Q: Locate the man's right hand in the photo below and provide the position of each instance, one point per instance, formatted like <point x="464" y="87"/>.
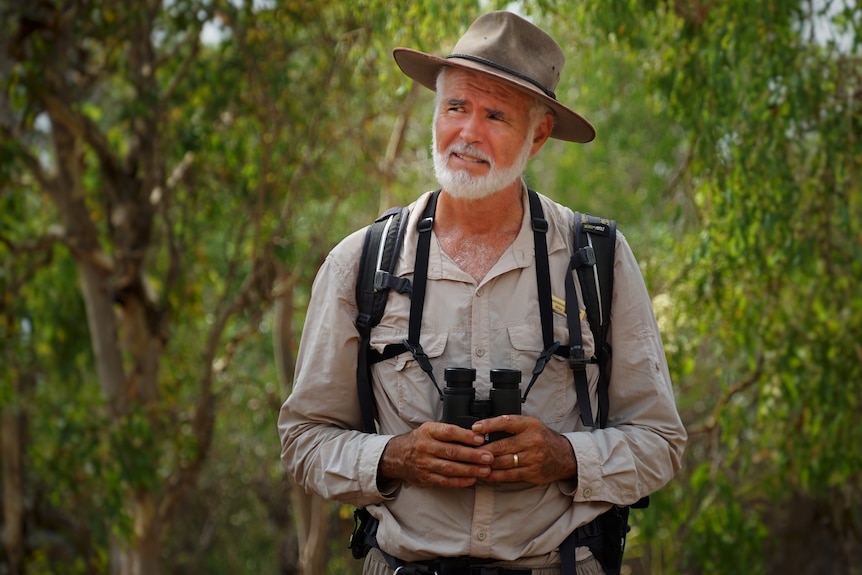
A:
<point x="436" y="454"/>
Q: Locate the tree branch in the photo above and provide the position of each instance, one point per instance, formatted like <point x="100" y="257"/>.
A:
<point x="195" y="34"/>
<point x="259" y="279"/>
<point x="738" y="387"/>
<point x="82" y="127"/>
<point x="30" y="161"/>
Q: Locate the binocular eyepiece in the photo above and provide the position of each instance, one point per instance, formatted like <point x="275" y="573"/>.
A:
<point x="460" y="406"/>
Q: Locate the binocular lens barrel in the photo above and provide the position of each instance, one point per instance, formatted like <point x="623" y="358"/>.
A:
<point x="505" y="396"/>
<point x="505" y="378"/>
<point x="459" y="376"/>
<point x="460" y="406"/>
<point x="458" y="396"/>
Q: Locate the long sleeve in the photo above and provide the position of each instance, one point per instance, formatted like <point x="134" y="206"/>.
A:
<point x="321" y="447"/>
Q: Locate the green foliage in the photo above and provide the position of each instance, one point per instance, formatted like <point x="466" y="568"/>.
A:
<point x="728" y="149"/>
<point x="772" y="182"/>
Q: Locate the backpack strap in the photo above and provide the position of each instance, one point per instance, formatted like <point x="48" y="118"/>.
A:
<point x="543" y="288"/>
<point x="590" y="256"/>
<point x="593" y="259"/>
<point x="420" y="280"/>
<point x="380" y="251"/>
<point x="383" y="280"/>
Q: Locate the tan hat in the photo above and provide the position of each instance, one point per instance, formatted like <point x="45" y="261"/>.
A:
<point x="512" y="50"/>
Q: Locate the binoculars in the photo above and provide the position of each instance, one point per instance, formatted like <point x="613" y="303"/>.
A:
<point x="460" y="406"/>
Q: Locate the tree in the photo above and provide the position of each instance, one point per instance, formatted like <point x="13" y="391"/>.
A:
<point x="134" y="135"/>
<point x="767" y="318"/>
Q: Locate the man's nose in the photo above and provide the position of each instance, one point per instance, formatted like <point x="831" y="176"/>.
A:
<point x="471" y="129"/>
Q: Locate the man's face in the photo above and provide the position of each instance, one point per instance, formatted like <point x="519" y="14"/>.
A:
<point x="482" y="136"/>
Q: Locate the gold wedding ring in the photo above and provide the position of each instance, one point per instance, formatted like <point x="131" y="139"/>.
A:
<point x="515" y="457"/>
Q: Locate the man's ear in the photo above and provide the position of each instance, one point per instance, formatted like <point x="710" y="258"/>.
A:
<point x="542" y="133"/>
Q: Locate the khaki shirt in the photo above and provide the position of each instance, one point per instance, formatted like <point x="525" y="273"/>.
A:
<point x="492" y="324"/>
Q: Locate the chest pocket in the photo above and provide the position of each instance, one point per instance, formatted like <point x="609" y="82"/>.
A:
<point x="401" y="388"/>
<point x="552" y="399"/>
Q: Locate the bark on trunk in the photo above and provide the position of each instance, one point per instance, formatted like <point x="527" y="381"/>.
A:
<point x="141" y="555"/>
<point x="11" y="423"/>
<point x="309" y="510"/>
<point x="311" y="528"/>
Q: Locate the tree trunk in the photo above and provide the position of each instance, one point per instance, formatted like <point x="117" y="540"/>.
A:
<point x="11" y="423"/>
<point x="142" y="554"/>
<point x="309" y="510"/>
<point x="311" y="529"/>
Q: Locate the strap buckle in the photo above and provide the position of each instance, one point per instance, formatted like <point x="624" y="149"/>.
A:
<point x="424" y="362"/>
<point x="577" y="358"/>
<point x="425" y="224"/>
<point x="545" y="357"/>
<point x="586" y="256"/>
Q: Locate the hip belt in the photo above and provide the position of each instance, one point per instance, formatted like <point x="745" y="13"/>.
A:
<point x="456" y="566"/>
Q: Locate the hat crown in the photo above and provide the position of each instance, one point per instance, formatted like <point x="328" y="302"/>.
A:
<point x="508" y="42"/>
<point x="505" y="48"/>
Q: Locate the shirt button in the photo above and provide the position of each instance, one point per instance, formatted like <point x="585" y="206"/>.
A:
<point x="480" y="352"/>
<point x="588" y="492"/>
<point x="479" y="292"/>
<point x="481" y="536"/>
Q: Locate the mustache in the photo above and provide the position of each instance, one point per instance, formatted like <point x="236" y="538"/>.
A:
<point x="469" y="150"/>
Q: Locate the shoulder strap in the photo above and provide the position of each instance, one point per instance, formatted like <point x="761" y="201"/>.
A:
<point x="379" y="256"/>
<point x="420" y="280"/>
<point x="543" y="288"/>
<point x="593" y="259"/>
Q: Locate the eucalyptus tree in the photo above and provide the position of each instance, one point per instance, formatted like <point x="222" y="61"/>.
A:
<point x="168" y="171"/>
<point x="765" y="304"/>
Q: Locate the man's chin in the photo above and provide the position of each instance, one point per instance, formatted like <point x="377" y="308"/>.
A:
<point x="473" y="190"/>
<point x="462" y="192"/>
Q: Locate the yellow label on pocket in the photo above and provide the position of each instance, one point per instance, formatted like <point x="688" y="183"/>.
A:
<point x="558" y="305"/>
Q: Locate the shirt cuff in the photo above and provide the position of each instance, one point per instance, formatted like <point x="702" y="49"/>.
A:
<point x="369" y="465"/>
<point x="586" y="487"/>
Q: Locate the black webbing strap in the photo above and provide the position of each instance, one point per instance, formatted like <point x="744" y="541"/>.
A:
<point x="543" y="273"/>
<point x="593" y="259"/>
<point x="596" y="275"/>
<point x="577" y="358"/>
<point x="374" y="280"/>
<point x="568" y="561"/>
<point x="543" y="287"/>
<point x="574" y="352"/>
<point x="420" y="280"/>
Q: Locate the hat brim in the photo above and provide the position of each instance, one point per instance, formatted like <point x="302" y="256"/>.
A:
<point x="424" y="68"/>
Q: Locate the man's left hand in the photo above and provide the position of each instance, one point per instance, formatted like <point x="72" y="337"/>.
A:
<point x="533" y="453"/>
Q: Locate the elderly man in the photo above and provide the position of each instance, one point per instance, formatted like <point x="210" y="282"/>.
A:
<point x="443" y="498"/>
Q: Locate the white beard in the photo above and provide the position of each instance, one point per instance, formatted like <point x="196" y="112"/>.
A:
<point x="463" y="185"/>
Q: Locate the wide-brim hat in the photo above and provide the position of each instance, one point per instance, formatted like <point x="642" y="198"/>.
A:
<point x="513" y="51"/>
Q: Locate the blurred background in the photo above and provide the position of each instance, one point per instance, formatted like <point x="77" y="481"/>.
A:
<point x="173" y="172"/>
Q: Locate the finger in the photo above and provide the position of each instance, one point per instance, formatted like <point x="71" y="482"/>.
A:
<point x="454" y="434"/>
<point x="510" y="461"/>
<point x="456" y="452"/>
<point x="446" y="472"/>
<point x="513" y="424"/>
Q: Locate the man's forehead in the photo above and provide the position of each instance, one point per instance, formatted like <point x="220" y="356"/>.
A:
<point x="458" y="80"/>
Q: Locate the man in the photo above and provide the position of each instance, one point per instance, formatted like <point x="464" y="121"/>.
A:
<point x="440" y="491"/>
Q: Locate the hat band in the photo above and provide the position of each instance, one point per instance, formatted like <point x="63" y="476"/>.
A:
<point x="502" y="68"/>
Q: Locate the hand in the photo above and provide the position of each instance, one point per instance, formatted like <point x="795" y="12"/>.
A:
<point x="533" y="453"/>
<point x="436" y="454"/>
